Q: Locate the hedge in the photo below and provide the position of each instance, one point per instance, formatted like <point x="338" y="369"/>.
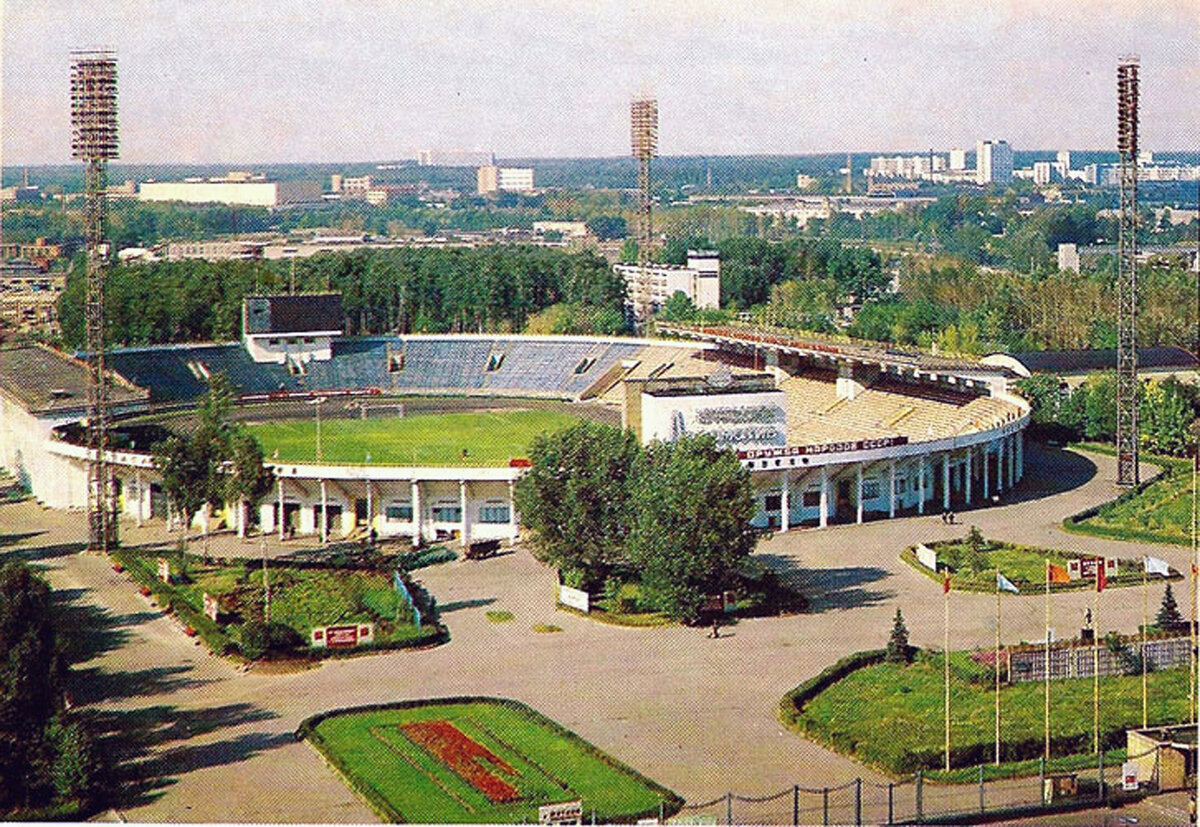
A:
<point x="307" y="730"/>
<point x="791" y="706"/>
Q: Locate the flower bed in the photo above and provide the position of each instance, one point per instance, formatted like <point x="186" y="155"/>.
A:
<point x="444" y="741"/>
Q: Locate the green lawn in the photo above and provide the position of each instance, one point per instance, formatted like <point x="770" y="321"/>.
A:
<point x="1159" y="513"/>
<point x="1024" y="566"/>
<point x="405" y="781"/>
<point x="301" y="598"/>
<point x="490" y="438"/>
<point x="890" y="716"/>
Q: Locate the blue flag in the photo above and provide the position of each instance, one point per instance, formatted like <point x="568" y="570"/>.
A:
<point x="1005" y="585"/>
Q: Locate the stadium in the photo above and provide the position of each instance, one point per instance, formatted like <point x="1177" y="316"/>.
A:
<point x="424" y="436"/>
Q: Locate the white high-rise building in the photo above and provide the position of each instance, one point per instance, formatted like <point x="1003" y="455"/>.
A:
<point x="993" y="163"/>
<point x="958" y="159"/>
<point x="1064" y="160"/>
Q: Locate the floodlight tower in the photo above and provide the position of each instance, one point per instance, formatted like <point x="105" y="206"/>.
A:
<point x="94" y="141"/>
<point x="643" y="129"/>
<point x="1127" y="298"/>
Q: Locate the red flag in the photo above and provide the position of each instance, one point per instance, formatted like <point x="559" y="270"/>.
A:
<point x="1101" y="578"/>
<point x="946" y="584"/>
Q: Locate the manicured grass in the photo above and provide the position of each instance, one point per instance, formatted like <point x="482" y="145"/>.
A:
<point x="405" y="781"/>
<point x="1023" y="566"/>
<point x="301" y="598"/>
<point x="500" y="616"/>
<point x="890" y="716"/>
<point x="490" y="438"/>
<point x="1160" y="512"/>
<point x="546" y="628"/>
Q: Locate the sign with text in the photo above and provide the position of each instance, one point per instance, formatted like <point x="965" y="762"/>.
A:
<point x="1129" y="776"/>
<point x="575" y="598"/>
<point x="211" y="607"/>
<point x="1085" y="568"/>
<point x="164" y="570"/>
<point x="569" y="812"/>
<point x="824" y="448"/>
<point x="343" y="637"/>
<point x="927" y="556"/>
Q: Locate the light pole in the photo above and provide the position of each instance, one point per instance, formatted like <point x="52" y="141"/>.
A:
<point x="320" y="400"/>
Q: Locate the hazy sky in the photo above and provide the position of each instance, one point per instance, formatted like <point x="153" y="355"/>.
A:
<point x="342" y="80"/>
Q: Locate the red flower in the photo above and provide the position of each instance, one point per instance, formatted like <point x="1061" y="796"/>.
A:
<point x="465" y="757"/>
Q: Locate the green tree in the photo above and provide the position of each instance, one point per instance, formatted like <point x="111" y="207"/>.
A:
<point x="678" y="308"/>
<point x="31" y="673"/>
<point x="1168" y="616"/>
<point x="693" y="506"/>
<point x="577" y="498"/>
<point x="606" y="227"/>
<point x="897" y="645"/>
<point x="1165" y="415"/>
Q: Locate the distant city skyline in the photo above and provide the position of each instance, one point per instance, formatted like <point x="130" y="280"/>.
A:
<point x="376" y="80"/>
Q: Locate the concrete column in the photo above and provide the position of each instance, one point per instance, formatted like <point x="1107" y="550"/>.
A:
<point x="921" y="484"/>
<point x="946" y="481"/>
<point x="141" y="496"/>
<point x="1020" y="455"/>
<point x="324" y="513"/>
<point x="1001" y="462"/>
<point x="858" y="493"/>
<point x="416" y="512"/>
<point x="823" y="519"/>
<point x="892" y="488"/>
<point x="370" y="508"/>
<point x="785" y="502"/>
<point x="462" y="508"/>
<point x="1013" y="441"/>
<point x="241" y="518"/>
<point x="970" y="470"/>
<point x="281" y="520"/>
<point x="513" y="531"/>
<point x="987" y="483"/>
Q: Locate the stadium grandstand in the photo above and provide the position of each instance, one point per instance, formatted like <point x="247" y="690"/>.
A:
<point x="831" y="430"/>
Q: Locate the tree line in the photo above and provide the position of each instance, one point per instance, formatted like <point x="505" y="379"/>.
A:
<point x="1166" y="411"/>
<point x="403" y="290"/>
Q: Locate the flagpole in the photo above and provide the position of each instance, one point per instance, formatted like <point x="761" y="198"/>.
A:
<point x="1145" y="616"/>
<point x="946" y="659"/>
<point x="997" y="668"/>
<point x="1046" y="668"/>
<point x="1192" y="677"/>
<point x="1096" y="659"/>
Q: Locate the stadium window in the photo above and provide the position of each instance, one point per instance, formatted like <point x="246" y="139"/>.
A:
<point x="812" y="499"/>
<point x="494" y="512"/>
<point x="308" y="340"/>
<point x="273" y="341"/>
<point x="495" y="361"/>
<point x="395" y="363"/>
<point x="399" y="513"/>
<point x="447" y="513"/>
<point x="773" y="502"/>
<point x="870" y="489"/>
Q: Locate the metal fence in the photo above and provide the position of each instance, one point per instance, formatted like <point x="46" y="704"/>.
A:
<point x="916" y="800"/>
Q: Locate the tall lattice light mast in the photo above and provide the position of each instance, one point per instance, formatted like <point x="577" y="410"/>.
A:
<point x="94" y="141"/>
<point x="1127" y="297"/>
<point x="643" y="129"/>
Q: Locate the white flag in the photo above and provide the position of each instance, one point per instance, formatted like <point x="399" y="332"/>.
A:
<point x="1155" y="566"/>
<point x="1005" y="585"/>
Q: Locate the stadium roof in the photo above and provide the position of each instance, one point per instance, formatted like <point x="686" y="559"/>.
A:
<point x="46" y="381"/>
<point x="1088" y="361"/>
<point x="290" y="314"/>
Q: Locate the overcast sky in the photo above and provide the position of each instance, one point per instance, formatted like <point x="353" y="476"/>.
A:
<point x="346" y="80"/>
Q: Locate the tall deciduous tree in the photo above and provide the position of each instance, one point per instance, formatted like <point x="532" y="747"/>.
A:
<point x="692" y="529"/>
<point x="577" y="498"/>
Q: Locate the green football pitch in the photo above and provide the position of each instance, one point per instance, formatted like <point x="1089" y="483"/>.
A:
<point x="476" y="438"/>
<point x="486" y="761"/>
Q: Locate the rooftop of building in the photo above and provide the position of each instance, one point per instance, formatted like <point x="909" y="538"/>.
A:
<point x="47" y="381"/>
<point x="1088" y="361"/>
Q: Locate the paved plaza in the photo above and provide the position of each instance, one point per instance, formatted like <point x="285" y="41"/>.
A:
<point x="209" y="741"/>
